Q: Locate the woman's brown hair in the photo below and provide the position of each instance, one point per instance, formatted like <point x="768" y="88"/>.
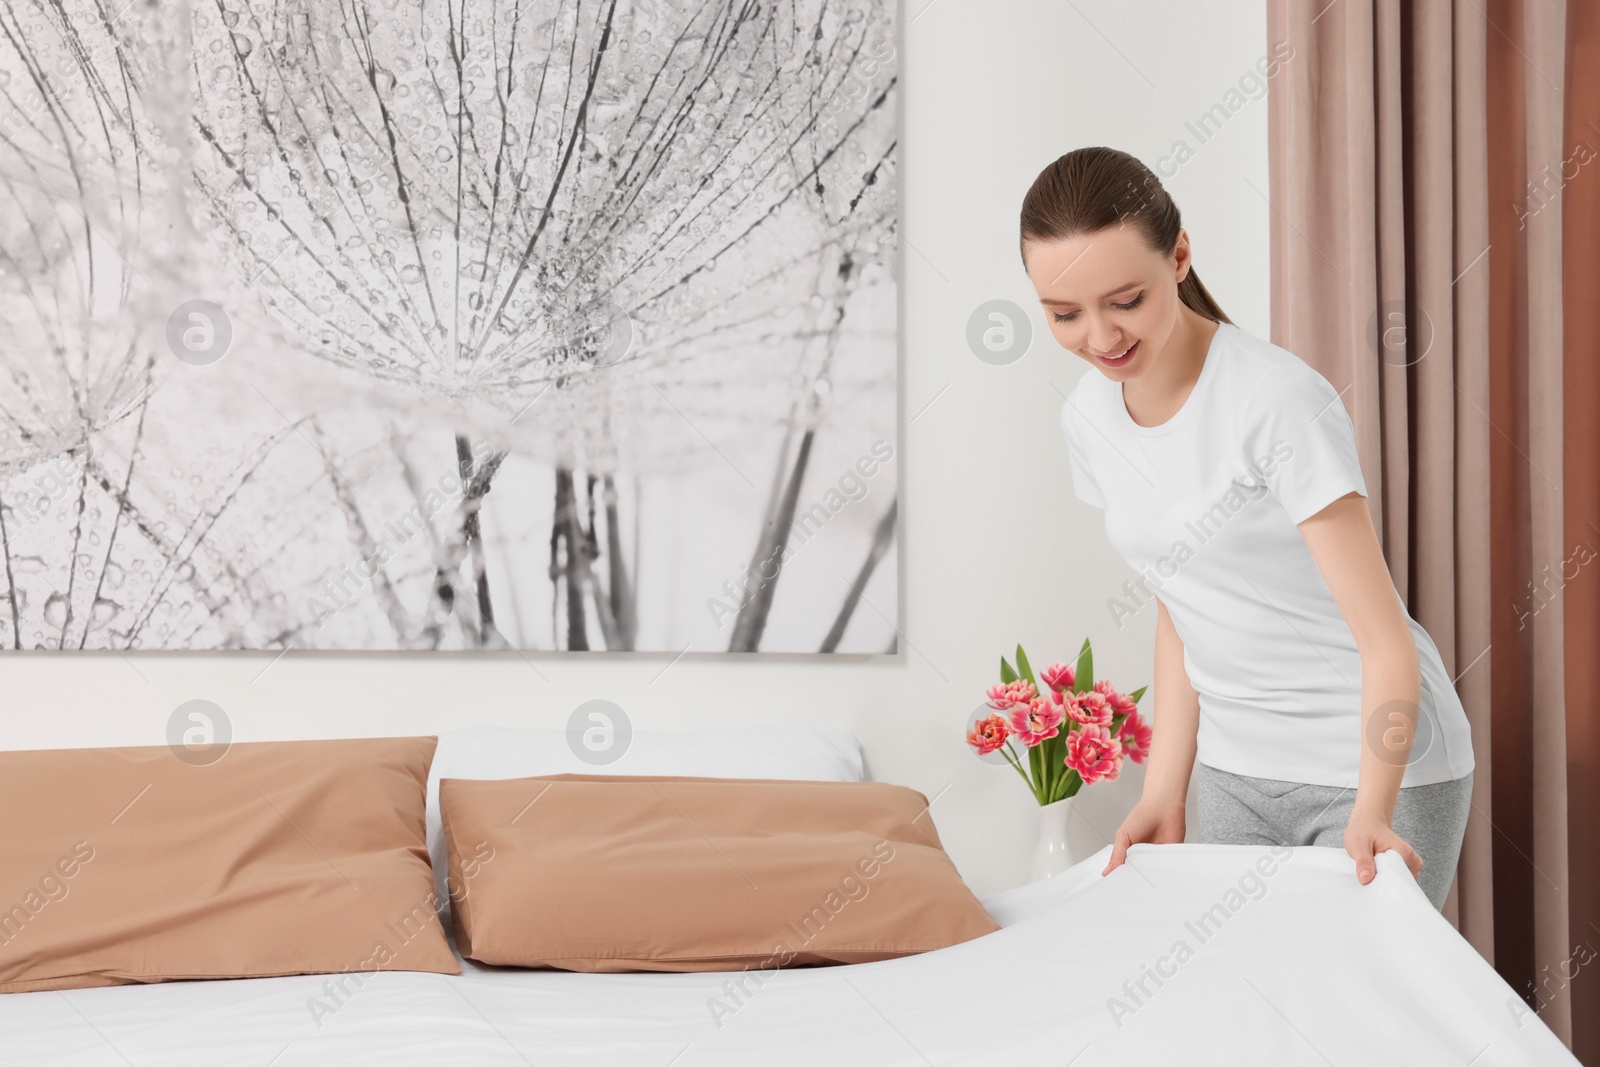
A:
<point x="1088" y="189"/>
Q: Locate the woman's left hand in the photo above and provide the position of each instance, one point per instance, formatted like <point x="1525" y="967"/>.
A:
<point x="1367" y="835"/>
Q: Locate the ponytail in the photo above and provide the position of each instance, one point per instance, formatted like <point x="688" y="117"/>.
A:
<point x="1198" y="298"/>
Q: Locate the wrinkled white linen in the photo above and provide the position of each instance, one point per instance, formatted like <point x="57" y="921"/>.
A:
<point x="1302" y="965"/>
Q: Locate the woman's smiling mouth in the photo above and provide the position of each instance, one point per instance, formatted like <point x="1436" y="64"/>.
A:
<point x="1118" y="359"/>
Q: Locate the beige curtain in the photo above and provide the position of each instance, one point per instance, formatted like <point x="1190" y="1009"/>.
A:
<point x="1580" y="266"/>
<point x="1422" y="175"/>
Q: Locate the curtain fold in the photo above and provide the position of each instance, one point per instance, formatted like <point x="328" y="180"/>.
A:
<point x="1580" y="571"/>
<point x="1525" y="61"/>
<point x="1468" y="360"/>
<point x="1433" y="262"/>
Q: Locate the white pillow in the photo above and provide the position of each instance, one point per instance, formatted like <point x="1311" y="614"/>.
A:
<point x="808" y="753"/>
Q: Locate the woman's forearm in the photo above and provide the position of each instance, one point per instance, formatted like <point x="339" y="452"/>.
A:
<point x="1390" y="688"/>
<point x="1177" y="719"/>
<point x="1344" y="544"/>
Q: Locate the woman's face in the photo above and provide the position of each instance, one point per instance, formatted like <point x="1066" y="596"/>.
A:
<point x="1110" y="299"/>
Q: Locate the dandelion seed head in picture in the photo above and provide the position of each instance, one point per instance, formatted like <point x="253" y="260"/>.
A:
<point x="403" y="324"/>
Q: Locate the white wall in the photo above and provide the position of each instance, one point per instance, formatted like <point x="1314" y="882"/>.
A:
<point x="994" y="548"/>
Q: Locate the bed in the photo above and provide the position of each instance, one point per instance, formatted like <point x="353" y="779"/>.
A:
<point x="1301" y="966"/>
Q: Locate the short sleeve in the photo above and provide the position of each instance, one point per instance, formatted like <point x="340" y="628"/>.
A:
<point x="1084" y="486"/>
<point x="1302" y="442"/>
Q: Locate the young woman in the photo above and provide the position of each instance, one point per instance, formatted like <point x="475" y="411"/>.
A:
<point x="1288" y="674"/>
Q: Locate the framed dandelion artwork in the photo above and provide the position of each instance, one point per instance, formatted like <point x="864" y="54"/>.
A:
<point x="448" y="324"/>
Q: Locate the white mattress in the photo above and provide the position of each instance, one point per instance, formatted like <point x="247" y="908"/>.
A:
<point x="1305" y="966"/>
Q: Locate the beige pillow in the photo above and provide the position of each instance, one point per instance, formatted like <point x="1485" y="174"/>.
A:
<point x="122" y="865"/>
<point x="614" y="873"/>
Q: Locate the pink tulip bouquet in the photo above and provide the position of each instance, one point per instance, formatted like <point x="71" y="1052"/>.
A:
<point x="1072" y="730"/>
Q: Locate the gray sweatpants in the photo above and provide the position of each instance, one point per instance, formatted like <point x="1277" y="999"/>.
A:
<point x="1232" y="809"/>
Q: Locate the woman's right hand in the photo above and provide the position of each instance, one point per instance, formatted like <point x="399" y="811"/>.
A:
<point x="1148" y="823"/>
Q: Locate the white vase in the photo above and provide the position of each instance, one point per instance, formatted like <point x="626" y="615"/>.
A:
<point x="1052" y="854"/>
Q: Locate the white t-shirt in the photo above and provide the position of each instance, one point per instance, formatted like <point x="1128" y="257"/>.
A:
<point x="1205" y="508"/>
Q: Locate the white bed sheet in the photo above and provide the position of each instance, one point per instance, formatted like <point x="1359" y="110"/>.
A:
<point x="1309" y="967"/>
